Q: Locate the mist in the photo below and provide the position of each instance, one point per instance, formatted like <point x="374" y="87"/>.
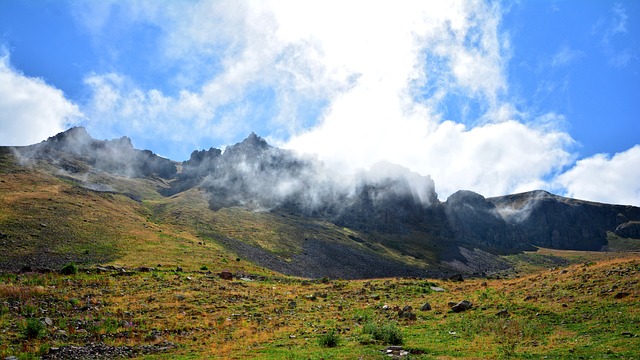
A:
<point x="256" y="176"/>
<point x="74" y="149"/>
<point x="383" y="199"/>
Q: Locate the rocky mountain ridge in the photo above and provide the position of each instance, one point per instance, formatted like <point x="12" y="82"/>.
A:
<point x="387" y="206"/>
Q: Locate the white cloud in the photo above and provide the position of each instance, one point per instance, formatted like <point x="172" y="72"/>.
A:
<point x="566" y="56"/>
<point x="380" y="71"/>
<point x="30" y="109"/>
<point x="379" y="117"/>
<point x="606" y="179"/>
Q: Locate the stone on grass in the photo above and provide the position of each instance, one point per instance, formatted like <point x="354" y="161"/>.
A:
<point x="226" y="275"/>
<point x="463" y="305"/>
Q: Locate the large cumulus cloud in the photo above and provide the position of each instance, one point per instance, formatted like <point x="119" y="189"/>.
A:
<point x="30" y="109"/>
<point x="606" y="178"/>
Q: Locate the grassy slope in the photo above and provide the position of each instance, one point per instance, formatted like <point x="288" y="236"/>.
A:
<point x="586" y="310"/>
<point x="47" y="221"/>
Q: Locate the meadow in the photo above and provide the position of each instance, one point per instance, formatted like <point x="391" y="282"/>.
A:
<point x="585" y="310"/>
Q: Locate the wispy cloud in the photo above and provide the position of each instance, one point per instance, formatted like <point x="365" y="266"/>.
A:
<point x="30" y="109"/>
<point x="614" y="37"/>
<point x="566" y="56"/>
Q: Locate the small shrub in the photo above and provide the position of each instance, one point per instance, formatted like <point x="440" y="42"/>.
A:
<point x="204" y="268"/>
<point x="33" y="329"/>
<point x="388" y="333"/>
<point x="366" y="339"/>
<point x="330" y="339"/>
<point x="69" y="269"/>
<point x="28" y="310"/>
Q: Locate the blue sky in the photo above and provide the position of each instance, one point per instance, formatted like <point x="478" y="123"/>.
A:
<point x="495" y="97"/>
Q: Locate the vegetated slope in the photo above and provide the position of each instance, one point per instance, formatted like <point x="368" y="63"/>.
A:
<point x="47" y="221"/>
<point x="587" y="310"/>
<point x="280" y="210"/>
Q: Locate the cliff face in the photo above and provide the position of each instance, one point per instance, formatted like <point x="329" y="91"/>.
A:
<point x="475" y="221"/>
<point x="537" y="218"/>
<point x="543" y="219"/>
<point x="387" y="199"/>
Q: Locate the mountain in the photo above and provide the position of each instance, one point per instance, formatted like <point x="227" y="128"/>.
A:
<point x="282" y="211"/>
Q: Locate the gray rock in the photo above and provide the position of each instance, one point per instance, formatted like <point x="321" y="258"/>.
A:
<point x="463" y="305"/>
<point x="407" y="313"/>
<point x="425" y="307"/>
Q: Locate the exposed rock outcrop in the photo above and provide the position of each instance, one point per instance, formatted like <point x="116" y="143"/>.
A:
<point x="75" y="148"/>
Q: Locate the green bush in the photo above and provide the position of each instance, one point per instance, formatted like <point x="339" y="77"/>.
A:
<point x="388" y="333"/>
<point x="204" y="268"/>
<point x="69" y="269"/>
<point x="33" y="329"/>
<point x="330" y="339"/>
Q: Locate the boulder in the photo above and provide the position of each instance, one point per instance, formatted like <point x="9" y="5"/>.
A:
<point x="463" y="305"/>
<point x="226" y="275"/>
<point x="407" y="313"/>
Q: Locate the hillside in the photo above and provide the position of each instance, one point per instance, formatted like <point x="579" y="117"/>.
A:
<point x="74" y="198"/>
<point x="194" y="260"/>
<point x="587" y="310"/>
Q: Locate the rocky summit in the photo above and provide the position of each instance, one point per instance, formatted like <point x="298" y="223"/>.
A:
<point x="294" y="215"/>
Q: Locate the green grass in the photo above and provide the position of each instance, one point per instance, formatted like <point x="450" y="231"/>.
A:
<point x="330" y="339"/>
<point x="388" y="334"/>
<point x="616" y="243"/>
<point x="554" y="314"/>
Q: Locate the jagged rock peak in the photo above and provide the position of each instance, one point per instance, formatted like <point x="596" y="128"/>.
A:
<point x="255" y="141"/>
<point x="197" y="156"/>
<point x="77" y="133"/>
<point x="251" y="145"/>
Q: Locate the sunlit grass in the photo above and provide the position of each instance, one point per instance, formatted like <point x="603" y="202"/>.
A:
<point x="555" y="314"/>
